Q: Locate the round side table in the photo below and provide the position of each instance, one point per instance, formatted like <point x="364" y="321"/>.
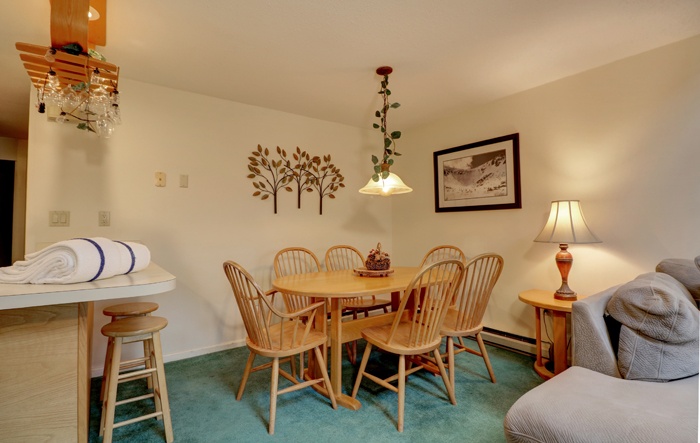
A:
<point x="541" y="299"/>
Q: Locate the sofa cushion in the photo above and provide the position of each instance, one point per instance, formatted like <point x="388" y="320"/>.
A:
<point x="660" y="327"/>
<point x="580" y="405"/>
<point x="686" y="271"/>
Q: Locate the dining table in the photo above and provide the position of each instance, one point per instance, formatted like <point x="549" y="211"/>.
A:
<point x="334" y="286"/>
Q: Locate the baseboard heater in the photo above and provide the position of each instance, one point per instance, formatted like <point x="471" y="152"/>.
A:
<point x="509" y="341"/>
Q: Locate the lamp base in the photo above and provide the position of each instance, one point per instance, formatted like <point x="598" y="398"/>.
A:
<point x="565" y="293"/>
<point x="564" y="261"/>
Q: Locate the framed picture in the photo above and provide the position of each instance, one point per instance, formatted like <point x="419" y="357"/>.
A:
<point x="478" y="176"/>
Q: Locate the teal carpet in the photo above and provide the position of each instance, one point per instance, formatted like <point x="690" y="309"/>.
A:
<point x="202" y="394"/>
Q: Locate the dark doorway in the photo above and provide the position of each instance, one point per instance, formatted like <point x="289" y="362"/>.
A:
<point x="7" y="192"/>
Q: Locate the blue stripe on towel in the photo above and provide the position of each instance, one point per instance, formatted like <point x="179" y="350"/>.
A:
<point x="133" y="257"/>
<point x="102" y="257"/>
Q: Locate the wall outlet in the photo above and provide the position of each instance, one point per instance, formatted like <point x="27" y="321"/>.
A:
<point x="59" y="218"/>
<point x="184" y="180"/>
<point x="160" y="179"/>
<point x="103" y="218"/>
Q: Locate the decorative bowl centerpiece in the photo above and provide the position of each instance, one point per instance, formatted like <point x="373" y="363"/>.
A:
<point x="377" y="264"/>
<point x="377" y="260"/>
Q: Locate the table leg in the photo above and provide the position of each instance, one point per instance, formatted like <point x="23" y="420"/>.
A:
<point x="538" y="335"/>
<point x="559" y="321"/>
<point x="395" y="300"/>
<point x="336" y="372"/>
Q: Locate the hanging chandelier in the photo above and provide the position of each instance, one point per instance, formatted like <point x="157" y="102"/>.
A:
<point x="383" y="181"/>
<point x="73" y="83"/>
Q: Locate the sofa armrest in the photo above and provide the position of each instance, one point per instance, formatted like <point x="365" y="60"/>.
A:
<point x="591" y="342"/>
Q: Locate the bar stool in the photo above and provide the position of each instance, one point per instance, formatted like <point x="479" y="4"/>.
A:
<point x="134" y="309"/>
<point x="130" y="330"/>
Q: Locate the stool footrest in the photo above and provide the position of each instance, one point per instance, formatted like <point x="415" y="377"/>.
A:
<point x="133" y="399"/>
<point x="135" y="375"/>
<point x="137" y="419"/>
<point x="128" y="364"/>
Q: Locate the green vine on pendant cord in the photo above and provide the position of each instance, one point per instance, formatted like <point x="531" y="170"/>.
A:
<point x="389" y="138"/>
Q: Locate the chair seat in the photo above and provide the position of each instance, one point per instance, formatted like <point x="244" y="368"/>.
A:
<point x="450" y="326"/>
<point x="313" y="339"/>
<point x="378" y="336"/>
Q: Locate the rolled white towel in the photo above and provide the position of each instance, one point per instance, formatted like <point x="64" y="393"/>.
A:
<point x="76" y="260"/>
<point x="134" y="256"/>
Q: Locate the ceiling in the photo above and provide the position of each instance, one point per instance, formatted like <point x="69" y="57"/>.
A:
<point x="318" y="58"/>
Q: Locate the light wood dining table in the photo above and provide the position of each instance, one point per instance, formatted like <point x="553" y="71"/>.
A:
<point x="333" y="286"/>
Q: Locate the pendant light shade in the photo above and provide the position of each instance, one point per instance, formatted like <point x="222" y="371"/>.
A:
<point x="386" y="186"/>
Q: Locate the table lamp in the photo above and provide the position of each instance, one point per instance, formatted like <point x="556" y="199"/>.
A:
<point x="566" y="225"/>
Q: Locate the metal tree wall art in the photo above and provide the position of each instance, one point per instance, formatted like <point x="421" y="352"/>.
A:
<point x="327" y="179"/>
<point x="309" y="173"/>
<point x="300" y="172"/>
<point x="273" y="178"/>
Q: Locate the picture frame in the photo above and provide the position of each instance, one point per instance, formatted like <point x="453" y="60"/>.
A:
<point x="479" y="176"/>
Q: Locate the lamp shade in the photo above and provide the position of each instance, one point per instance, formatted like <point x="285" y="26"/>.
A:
<point x="386" y="186"/>
<point x="566" y="225"/>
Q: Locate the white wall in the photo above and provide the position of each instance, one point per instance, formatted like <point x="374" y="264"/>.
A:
<point x="621" y="138"/>
<point x="191" y="231"/>
<point x="624" y="139"/>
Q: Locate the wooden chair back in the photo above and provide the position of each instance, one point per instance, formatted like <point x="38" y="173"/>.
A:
<point x="443" y="252"/>
<point x="480" y="276"/>
<point x="342" y="257"/>
<point x="259" y="314"/>
<point x="434" y="285"/>
<point x="292" y="261"/>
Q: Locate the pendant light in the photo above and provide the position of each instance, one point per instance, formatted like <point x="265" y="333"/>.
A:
<point x="383" y="181"/>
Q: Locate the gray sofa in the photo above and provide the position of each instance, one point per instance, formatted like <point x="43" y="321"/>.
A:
<point x="592" y="402"/>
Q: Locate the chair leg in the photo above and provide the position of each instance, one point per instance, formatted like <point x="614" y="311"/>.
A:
<point x="326" y="378"/>
<point x="402" y="390"/>
<point x="451" y="359"/>
<point x="363" y="365"/>
<point x="293" y="366"/>
<point x="273" y="394"/>
<point x="301" y="366"/>
<point x="448" y="385"/>
<point x="351" y="348"/>
<point x="246" y="373"/>
<point x="484" y="354"/>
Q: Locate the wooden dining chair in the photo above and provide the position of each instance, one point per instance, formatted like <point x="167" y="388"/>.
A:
<point x="415" y="329"/>
<point x="344" y="257"/>
<point x="277" y="335"/>
<point x="443" y="252"/>
<point x="292" y="261"/>
<point x="465" y="316"/>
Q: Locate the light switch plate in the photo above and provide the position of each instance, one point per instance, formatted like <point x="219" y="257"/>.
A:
<point x="59" y="218"/>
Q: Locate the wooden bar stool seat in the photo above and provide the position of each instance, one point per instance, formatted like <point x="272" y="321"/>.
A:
<point x="133" y="309"/>
<point x="144" y="328"/>
<point x="130" y="309"/>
